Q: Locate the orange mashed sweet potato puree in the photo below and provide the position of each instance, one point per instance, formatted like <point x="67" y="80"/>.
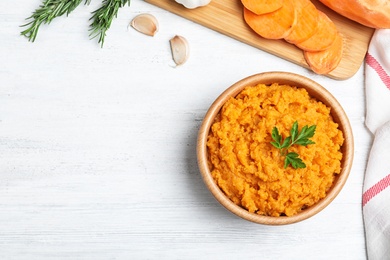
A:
<point x="250" y="171"/>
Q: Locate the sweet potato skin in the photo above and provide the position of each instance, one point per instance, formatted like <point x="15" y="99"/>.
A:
<point x="371" y="13"/>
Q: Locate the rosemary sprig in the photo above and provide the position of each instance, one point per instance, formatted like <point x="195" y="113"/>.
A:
<point x="102" y="18"/>
<point x="46" y="12"/>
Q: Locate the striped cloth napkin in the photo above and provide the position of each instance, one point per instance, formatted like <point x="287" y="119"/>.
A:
<point x="376" y="188"/>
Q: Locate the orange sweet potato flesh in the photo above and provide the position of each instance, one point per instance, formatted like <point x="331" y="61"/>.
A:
<point x="307" y="21"/>
<point x="371" y="13"/>
<point x="324" y="36"/>
<point x="274" y="25"/>
<point x="262" y="6"/>
<point x="323" y="62"/>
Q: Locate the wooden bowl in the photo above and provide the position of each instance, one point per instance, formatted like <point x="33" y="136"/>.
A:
<point x="315" y="90"/>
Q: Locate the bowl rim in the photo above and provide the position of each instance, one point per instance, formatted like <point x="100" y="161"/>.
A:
<point x="315" y="90"/>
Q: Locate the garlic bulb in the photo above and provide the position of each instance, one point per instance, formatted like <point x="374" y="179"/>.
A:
<point x="191" y="4"/>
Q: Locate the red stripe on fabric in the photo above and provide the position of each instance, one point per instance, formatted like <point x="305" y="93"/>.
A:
<point x="373" y="63"/>
<point x="376" y="189"/>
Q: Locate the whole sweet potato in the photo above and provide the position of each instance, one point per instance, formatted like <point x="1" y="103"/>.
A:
<point x="371" y="13"/>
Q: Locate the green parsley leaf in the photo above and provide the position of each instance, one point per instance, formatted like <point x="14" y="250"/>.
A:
<point x="296" y="137"/>
<point x="293" y="159"/>
<point x="277" y="137"/>
<point x="294" y="130"/>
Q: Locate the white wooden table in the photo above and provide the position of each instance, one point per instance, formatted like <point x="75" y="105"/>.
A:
<point x="97" y="146"/>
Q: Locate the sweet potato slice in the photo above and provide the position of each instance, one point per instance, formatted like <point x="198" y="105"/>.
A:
<point x="324" y="36"/>
<point x="323" y="62"/>
<point x="307" y="21"/>
<point x="275" y="25"/>
<point x="262" y="6"/>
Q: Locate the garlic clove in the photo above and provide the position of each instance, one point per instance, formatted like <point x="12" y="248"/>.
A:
<point x="146" y="24"/>
<point x="180" y="49"/>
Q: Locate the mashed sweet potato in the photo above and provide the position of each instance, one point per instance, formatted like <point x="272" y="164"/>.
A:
<point x="250" y="171"/>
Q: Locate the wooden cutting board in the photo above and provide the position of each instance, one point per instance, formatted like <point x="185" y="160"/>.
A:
<point x="225" y="16"/>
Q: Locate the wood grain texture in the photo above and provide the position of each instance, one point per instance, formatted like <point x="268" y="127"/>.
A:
<point x="225" y="16"/>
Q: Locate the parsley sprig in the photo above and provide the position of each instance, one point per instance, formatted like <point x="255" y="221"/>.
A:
<point x="296" y="137"/>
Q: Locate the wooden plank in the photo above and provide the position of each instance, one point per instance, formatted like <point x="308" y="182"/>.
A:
<point x="225" y="16"/>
